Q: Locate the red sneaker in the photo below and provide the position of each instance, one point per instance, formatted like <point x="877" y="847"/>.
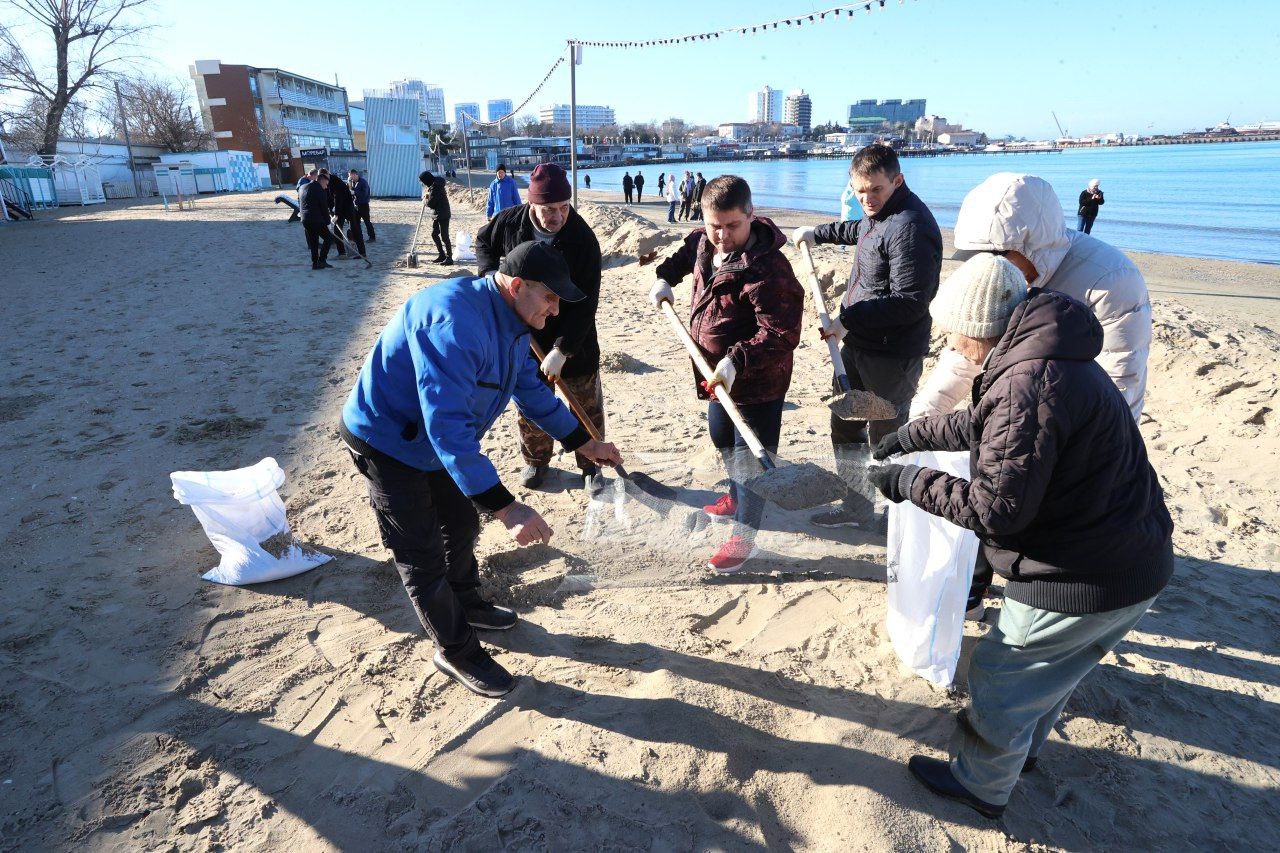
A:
<point x="723" y="509"/>
<point x="732" y="555"/>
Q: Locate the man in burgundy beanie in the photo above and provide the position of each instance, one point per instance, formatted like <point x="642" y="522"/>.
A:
<point x="568" y="339"/>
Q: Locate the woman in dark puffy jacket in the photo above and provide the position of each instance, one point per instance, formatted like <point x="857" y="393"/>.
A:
<point x="1069" y="513"/>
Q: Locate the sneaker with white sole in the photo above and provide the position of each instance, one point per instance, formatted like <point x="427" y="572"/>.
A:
<point x="490" y="617"/>
<point x="722" y="510"/>
<point x="733" y="555"/>
<point x="478" y="672"/>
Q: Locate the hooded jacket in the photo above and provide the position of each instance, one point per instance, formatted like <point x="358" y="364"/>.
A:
<point x="1023" y="213"/>
<point x="573" y="330"/>
<point x="437" y="194"/>
<point x="895" y="274"/>
<point x="749" y="310"/>
<point x="502" y="194"/>
<point x="1062" y="497"/>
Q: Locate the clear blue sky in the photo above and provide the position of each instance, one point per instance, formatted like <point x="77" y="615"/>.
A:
<point x="996" y="65"/>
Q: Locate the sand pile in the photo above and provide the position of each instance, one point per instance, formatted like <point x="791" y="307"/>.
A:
<point x="625" y="237"/>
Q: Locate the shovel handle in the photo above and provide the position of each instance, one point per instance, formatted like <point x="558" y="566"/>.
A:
<point x="414" y="245"/>
<point x="574" y="405"/>
<point x="722" y="396"/>
<point x="820" y="304"/>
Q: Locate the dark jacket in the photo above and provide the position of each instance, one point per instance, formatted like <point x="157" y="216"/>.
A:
<point x="1062" y="496"/>
<point x="749" y="310"/>
<point x="1088" y="205"/>
<point x="698" y="186"/>
<point x="895" y="275"/>
<point x="573" y="330"/>
<point x="344" y="205"/>
<point x="437" y="194"/>
<point x="313" y="202"/>
<point x="360" y="191"/>
<point x="639" y="181"/>
<point x="627" y="183"/>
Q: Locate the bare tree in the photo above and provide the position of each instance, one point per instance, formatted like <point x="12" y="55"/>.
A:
<point x="87" y="36"/>
<point x="274" y="139"/>
<point x="24" y="126"/>
<point x="159" y="113"/>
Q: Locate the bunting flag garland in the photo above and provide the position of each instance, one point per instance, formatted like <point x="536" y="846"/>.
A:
<point x="746" y="29"/>
<point x="472" y="121"/>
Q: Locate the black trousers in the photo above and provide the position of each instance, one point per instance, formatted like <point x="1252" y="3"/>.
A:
<point x="892" y="377"/>
<point x="684" y="207"/>
<point x="316" y="234"/>
<point x="639" y="190"/>
<point x="362" y="215"/>
<point x="348" y="224"/>
<point x="430" y="527"/>
<point x="626" y="196"/>
<point x="765" y="420"/>
<point x="440" y="233"/>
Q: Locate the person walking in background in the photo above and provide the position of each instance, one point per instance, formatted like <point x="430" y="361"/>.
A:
<point x="662" y="183"/>
<point x="1067" y="509"/>
<point x="502" y="193"/>
<point x="361" y="192"/>
<point x="883" y="322"/>
<point x="639" y="186"/>
<point x="747" y="307"/>
<point x="313" y="201"/>
<point x="1090" y="200"/>
<point x="672" y="196"/>
<point x="698" y="187"/>
<point x="586" y="179"/>
<point x="686" y="195"/>
<point x="850" y="210"/>
<point x="627" y="187"/>
<point x="438" y="202"/>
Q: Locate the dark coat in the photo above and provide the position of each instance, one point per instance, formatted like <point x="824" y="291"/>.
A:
<point x="627" y="183"/>
<point x="313" y="203"/>
<point x="437" y="194"/>
<point x="895" y="275"/>
<point x="1089" y="205"/>
<point x="573" y="330"/>
<point x="698" y="186"/>
<point x="639" y="181"/>
<point x="749" y="310"/>
<point x="360" y="191"/>
<point x="1062" y="496"/>
<point x="344" y="204"/>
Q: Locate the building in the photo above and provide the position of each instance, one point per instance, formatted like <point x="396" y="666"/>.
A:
<point x="471" y="108"/>
<point x="266" y="111"/>
<point x="738" y="131"/>
<point x="960" y="137"/>
<point x="431" y="96"/>
<point x="871" y="113"/>
<point x="395" y="145"/>
<point x="499" y="107"/>
<point x="589" y="116"/>
<point x="851" y="140"/>
<point x="798" y="109"/>
<point x="931" y="126"/>
<point x="355" y="110"/>
<point x="765" y="106"/>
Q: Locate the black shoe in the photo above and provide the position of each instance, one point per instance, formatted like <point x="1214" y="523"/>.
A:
<point x="447" y="262"/>
<point x="316" y="267"/>
<point x="478" y="672"/>
<point x="937" y="777"/>
<point x="439" y="259"/>
<point x="842" y="516"/>
<point x="327" y="266"/>
<point x="490" y="617"/>
<point x="532" y="476"/>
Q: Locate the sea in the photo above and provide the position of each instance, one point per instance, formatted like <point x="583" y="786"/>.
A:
<point x="1211" y="200"/>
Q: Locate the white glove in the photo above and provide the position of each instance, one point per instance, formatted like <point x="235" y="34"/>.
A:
<point x="661" y="291"/>
<point x="803" y="234"/>
<point x="553" y="363"/>
<point x="835" y="330"/>
<point x="724" y="375"/>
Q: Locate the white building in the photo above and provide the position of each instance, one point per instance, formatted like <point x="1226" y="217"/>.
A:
<point x="738" y="131"/>
<point x="431" y="96"/>
<point x="765" y="106"/>
<point x="959" y="137"/>
<point x="798" y="110"/>
<point x="589" y="116"/>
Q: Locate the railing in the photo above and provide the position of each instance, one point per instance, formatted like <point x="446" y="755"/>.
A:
<point x="316" y="102"/>
<point x="320" y="127"/>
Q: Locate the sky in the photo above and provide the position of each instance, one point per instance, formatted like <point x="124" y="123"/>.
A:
<point x="998" y="66"/>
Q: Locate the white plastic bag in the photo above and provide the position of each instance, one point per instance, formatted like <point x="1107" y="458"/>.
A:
<point x="463" y="249"/>
<point x="930" y="570"/>
<point x="243" y="516"/>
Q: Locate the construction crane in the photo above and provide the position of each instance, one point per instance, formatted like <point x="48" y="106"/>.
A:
<point x="1062" y="133"/>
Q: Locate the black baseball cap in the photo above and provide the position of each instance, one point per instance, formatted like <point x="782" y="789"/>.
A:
<point x="536" y="261"/>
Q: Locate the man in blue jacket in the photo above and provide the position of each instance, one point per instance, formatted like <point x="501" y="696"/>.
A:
<point x="361" y="193"/>
<point x="503" y="193"/>
<point x="439" y="376"/>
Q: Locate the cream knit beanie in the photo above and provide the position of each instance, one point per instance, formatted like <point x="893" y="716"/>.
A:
<point x="978" y="299"/>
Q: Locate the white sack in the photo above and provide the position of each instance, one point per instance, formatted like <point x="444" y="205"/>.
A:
<point x="463" y="247"/>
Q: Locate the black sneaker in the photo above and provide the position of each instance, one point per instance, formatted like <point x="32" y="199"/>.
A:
<point x="490" y="617"/>
<point x="842" y="516"/>
<point x="936" y="776"/>
<point x="327" y="266"/>
<point x="478" y="672"/>
<point x="447" y="262"/>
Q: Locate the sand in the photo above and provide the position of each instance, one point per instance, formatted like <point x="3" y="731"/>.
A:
<point x="659" y="708"/>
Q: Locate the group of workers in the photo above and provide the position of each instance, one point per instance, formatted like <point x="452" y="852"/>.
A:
<point x="1041" y="381"/>
<point x="331" y="208"/>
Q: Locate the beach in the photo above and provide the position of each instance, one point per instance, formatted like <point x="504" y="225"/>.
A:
<point x="659" y="708"/>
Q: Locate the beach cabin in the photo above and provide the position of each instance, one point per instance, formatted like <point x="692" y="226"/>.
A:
<point x="395" y="157"/>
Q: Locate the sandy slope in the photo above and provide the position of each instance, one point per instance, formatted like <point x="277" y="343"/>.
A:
<point x="663" y="709"/>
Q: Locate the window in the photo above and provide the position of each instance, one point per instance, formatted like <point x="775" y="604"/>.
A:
<point x="399" y="134"/>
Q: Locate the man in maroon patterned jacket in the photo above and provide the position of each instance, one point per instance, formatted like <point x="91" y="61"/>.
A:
<point x="747" y="308"/>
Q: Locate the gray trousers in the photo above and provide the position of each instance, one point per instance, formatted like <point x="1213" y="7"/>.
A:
<point x="1020" y="677"/>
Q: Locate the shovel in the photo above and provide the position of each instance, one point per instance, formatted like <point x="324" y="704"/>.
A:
<point x="411" y="259"/>
<point x="642" y="482"/>
<point x="334" y="229"/>
<point x="799" y="486"/>
<point x="848" y="404"/>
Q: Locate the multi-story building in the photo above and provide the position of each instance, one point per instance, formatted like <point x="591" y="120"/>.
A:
<point x="931" y="126"/>
<point x="270" y="110"/>
<point x="471" y="108"/>
<point x="872" y="113"/>
<point x="738" y="131"/>
<point x="589" y="116"/>
<point x="496" y="109"/>
<point x="798" y="110"/>
<point x="356" y="111"/>
<point x="765" y="106"/>
<point x="431" y="95"/>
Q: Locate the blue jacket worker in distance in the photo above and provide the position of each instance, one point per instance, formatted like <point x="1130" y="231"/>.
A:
<point x="441" y="373"/>
<point x="503" y="193"/>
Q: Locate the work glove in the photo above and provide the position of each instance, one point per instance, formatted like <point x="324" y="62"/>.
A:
<point x="553" y="363"/>
<point x="724" y="374"/>
<point x="661" y="291"/>
<point x="835" y="329"/>
<point x="893" y="444"/>
<point x="803" y="234"/>
<point x="893" y="481"/>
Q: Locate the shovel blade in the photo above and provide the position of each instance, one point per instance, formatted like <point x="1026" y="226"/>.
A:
<point x="412" y="260"/>
<point x="799" y="486"/>
<point x="861" y="406"/>
<point x="651" y="487"/>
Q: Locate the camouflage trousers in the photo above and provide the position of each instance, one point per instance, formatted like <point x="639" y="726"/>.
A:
<point x="535" y="445"/>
